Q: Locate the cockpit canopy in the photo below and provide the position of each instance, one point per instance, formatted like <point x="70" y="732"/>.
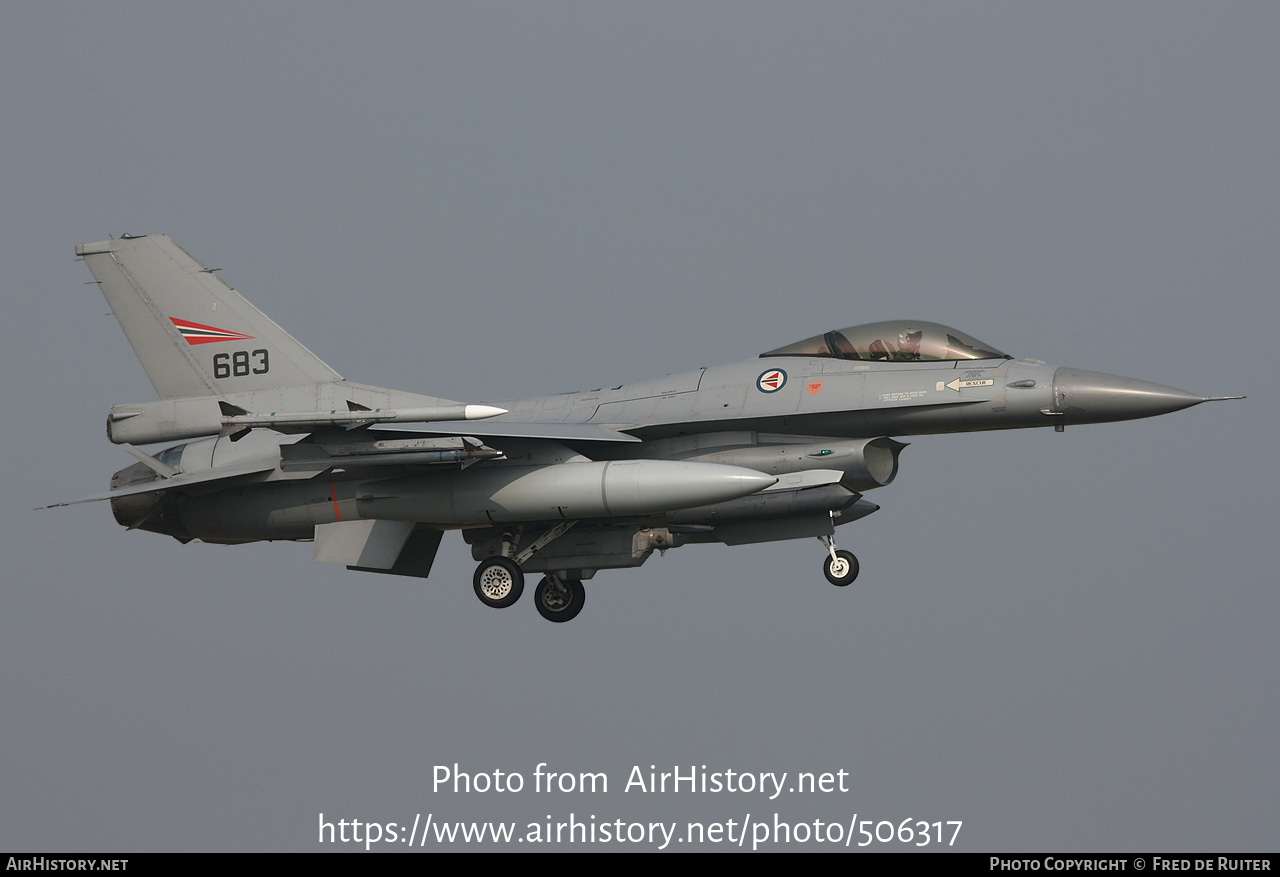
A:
<point x="893" y="341"/>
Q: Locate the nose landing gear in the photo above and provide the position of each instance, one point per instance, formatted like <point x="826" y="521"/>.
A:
<point x="840" y="567"/>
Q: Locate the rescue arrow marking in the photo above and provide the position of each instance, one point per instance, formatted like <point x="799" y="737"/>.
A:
<point x="958" y="384"/>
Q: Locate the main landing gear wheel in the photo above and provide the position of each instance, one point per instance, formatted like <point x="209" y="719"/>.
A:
<point x="499" y="582"/>
<point x="842" y="569"/>
<point x="559" y="601"/>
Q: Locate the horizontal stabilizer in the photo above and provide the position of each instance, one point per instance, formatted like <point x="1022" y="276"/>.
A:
<point x="177" y="482"/>
<point x="164" y="470"/>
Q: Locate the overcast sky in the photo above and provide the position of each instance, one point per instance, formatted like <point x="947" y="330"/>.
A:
<point x="1065" y="641"/>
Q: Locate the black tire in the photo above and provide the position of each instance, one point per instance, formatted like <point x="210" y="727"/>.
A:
<point x="842" y="569"/>
<point x="556" y="605"/>
<point x="498" y="582"/>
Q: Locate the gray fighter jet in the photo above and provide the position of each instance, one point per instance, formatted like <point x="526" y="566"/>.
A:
<point x="277" y="445"/>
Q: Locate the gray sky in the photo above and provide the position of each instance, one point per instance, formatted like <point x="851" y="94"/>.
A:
<point x="1066" y="641"/>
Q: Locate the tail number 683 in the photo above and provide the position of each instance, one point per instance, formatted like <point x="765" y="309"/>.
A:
<point x="241" y="363"/>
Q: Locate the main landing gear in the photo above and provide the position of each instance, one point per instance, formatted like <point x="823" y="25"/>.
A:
<point x="840" y="567"/>
<point x="559" y="599"/>
<point x="499" y="580"/>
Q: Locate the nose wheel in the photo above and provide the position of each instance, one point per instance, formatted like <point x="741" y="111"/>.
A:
<point x="499" y="582"/>
<point x="559" y="600"/>
<point x="840" y="567"/>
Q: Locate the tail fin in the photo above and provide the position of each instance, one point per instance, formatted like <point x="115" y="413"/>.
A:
<point x="194" y="335"/>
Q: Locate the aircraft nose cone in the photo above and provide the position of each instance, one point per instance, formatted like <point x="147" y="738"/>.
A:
<point x="1093" y="397"/>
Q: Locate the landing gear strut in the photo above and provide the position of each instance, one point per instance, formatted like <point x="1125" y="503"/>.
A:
<point x="840" y="567"/>
<point x="559" y="599"/>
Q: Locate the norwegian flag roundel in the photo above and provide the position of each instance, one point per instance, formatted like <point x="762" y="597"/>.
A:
<point x="771" y="381"/>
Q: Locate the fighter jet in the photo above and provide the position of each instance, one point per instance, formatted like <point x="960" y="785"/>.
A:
<point x="274" y="444"/>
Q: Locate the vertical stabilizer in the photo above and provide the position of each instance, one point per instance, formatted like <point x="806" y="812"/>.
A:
<point x="195" y="335"/>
